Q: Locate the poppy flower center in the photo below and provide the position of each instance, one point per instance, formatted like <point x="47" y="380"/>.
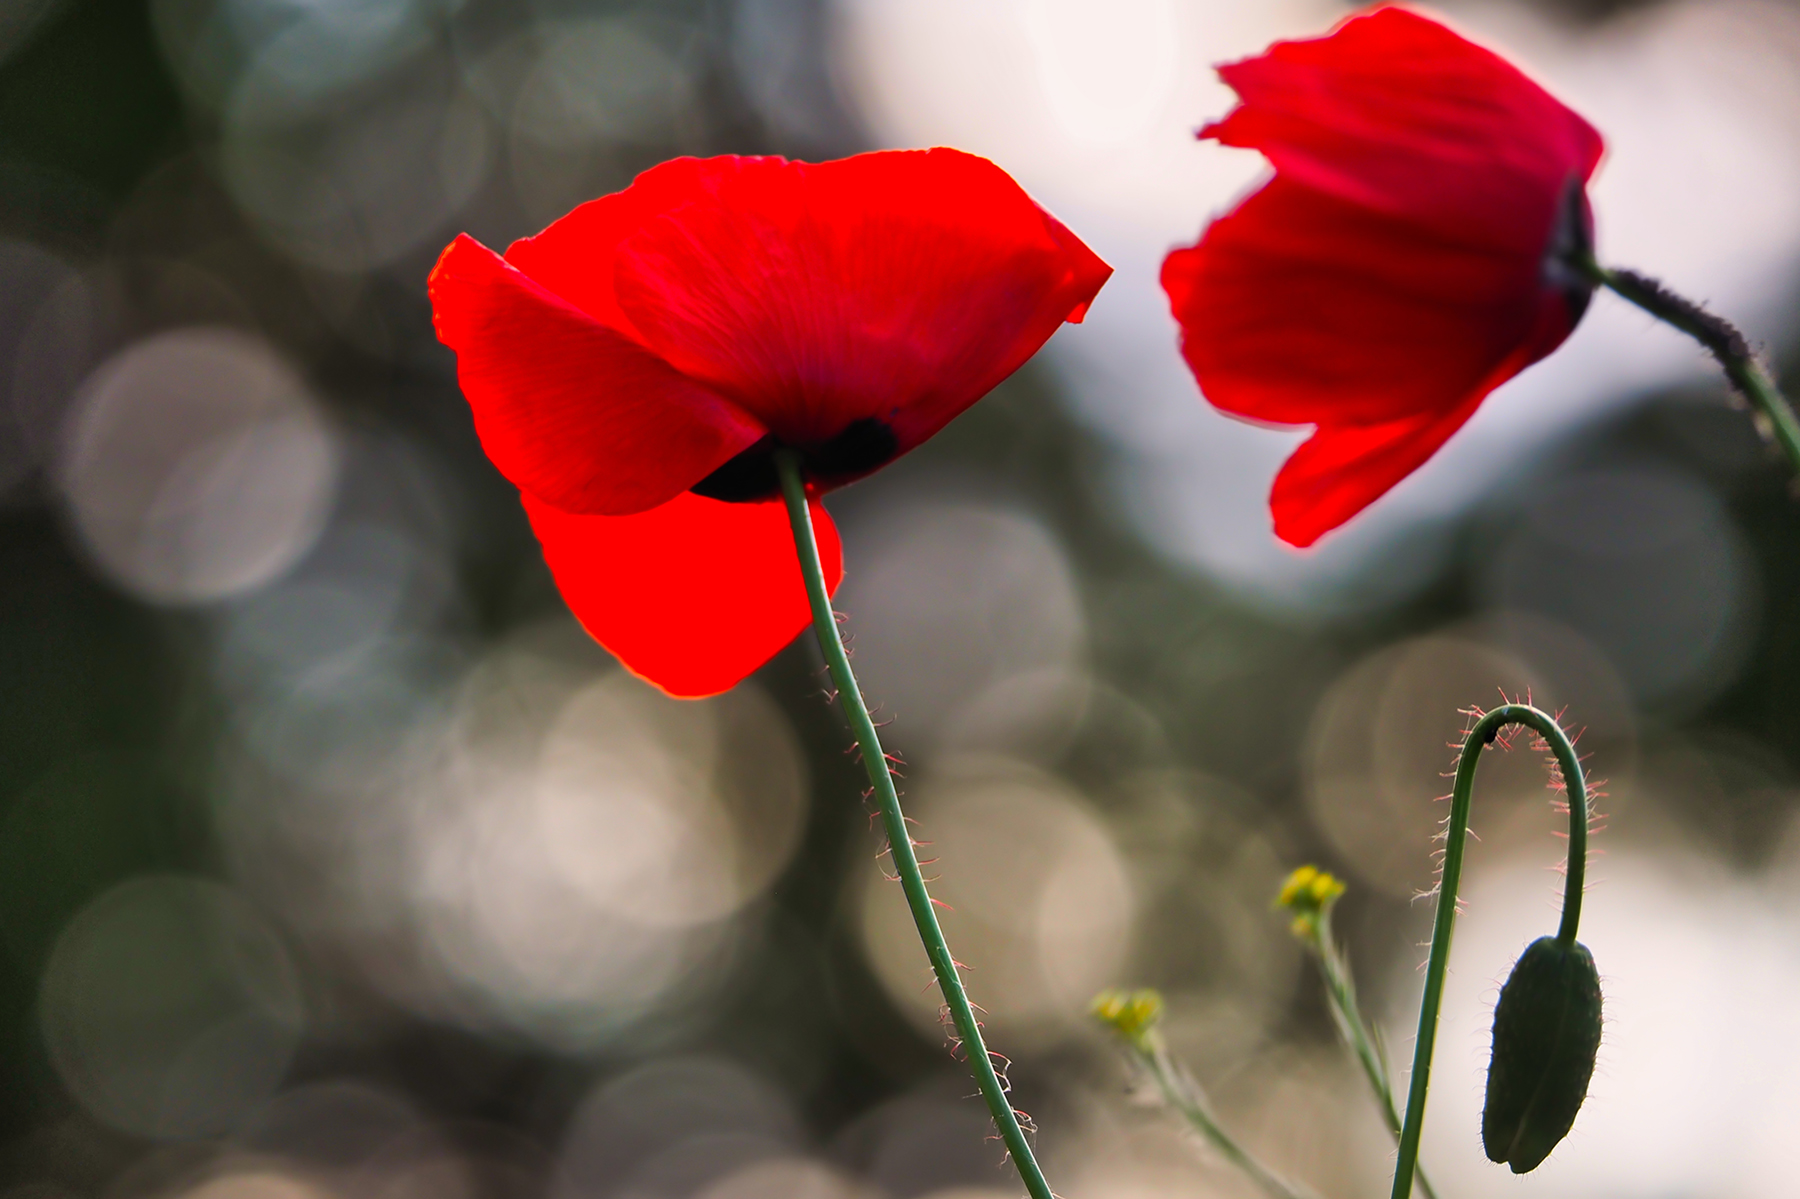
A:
<point x="863" y="445"/>
<point x="1571" y="243"/>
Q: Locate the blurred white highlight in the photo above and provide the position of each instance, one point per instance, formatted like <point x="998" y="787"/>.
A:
<point x="568" y="876"/>
<point x="785" y="1178"/>
<point x="949" y="600"/>
<point x="679" y="1126"/>
<point x="196" y="466"/>
<point x="1106" y="70"/>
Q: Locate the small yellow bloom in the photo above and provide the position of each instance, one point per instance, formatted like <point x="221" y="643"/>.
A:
<point x="1298" y="883"/>
<point x="1307" y="893"/>
<point x="1131" y="1014"/>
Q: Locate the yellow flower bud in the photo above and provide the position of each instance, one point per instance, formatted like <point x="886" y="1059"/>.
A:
<point x="1325" y="888"/>
<point x="1131" y="1014"/>
<point x="1308" y="893"/>
<point x="1298" y="883"/>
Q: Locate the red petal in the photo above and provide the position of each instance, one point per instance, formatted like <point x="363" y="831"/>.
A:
<point x="574" y="256"/>
<point x="900" y="285"/>
<point x="1342" y="469"/>
<point x="1301" y="309"/>
<point x="691" y="596"/>
<point x="571" y="411"/>
<point x="1398" y="113"/>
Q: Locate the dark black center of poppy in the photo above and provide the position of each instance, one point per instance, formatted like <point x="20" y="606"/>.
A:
<point x="1571" y="247"/>
<point x="863" y="446"/>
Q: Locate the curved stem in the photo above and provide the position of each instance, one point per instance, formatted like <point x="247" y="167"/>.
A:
<point x="900" y="843"/>
<point x="1748" y="376"/>
<point x="1479" y="737"/>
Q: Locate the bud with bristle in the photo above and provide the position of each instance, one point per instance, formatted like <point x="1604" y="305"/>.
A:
<point x="1546" y="1034"/>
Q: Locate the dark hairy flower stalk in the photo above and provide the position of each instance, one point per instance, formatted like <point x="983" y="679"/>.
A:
<point x="1750" y="379"/>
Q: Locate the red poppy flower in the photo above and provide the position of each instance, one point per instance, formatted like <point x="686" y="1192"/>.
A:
<point x="1405" y="260"/>
<point x="634" y="367"/>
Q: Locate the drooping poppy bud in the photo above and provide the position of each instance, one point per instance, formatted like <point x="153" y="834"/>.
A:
<point x="1546" y="1033"/>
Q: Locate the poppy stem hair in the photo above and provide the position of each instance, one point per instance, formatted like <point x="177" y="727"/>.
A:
<point x="900" y="842"/>
<point x="1749" y="378"/>
<point x="1481" y="734"/>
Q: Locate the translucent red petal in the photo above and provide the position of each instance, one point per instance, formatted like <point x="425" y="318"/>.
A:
<point x="573" y="257"/>
<point x="692" y="596"/>
<point x="1397" y="113"/>
<point x="1300" y="309"/>
<point x="571" y="411"/>
<point x="900" y="286"/>
<point x="1342" y="469"/>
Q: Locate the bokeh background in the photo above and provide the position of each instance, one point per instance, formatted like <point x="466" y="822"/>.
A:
<point x="335" y="863"/>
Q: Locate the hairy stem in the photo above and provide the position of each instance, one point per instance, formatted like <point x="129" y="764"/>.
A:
<point x="1749" y="378"/>
<point x="1340" y="989"/>
<point x="1480" y="736"/>
<point x="900" y="842"/>
<point x="1182" y="1093"/>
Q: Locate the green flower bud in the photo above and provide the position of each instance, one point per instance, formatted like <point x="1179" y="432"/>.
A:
<point x="1546" y="1033"/>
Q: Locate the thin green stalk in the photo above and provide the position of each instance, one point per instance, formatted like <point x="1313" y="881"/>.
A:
<point x="1340" y="989"/>
<point x="1748" y="376"/>
<point x="1183" y="1094"/>
<point x="900" y="843"/>
<point x="1480" y="736"/>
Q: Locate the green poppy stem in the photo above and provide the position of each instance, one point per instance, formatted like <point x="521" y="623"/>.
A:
<point x="1480" y="736"/>
<point x="900" y="842"/>
<point x="1749" y="378"/>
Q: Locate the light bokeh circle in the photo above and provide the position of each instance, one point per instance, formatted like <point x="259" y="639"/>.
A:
<point x="196" y="466"/>
<point x="170" y="1008"/>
